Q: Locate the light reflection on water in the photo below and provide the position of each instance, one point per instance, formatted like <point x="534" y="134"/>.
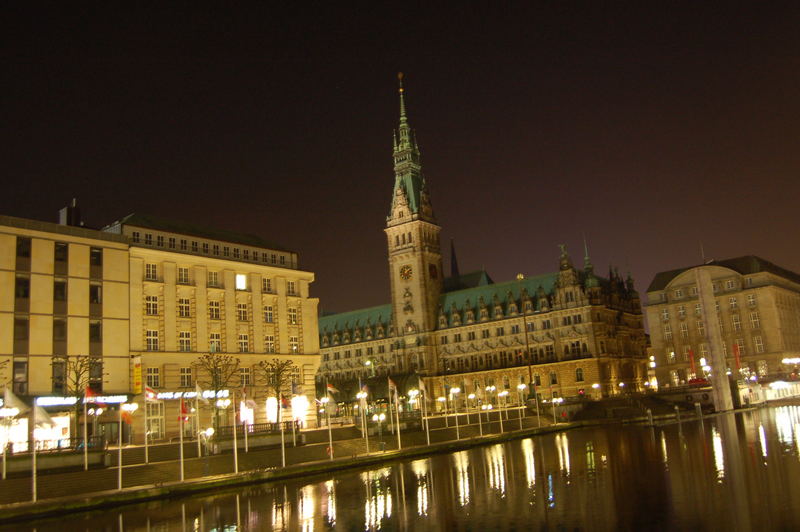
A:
<point x="728" y="472"/>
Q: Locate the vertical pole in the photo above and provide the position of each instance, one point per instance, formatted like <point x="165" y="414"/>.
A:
<point x="146" y="433"/>
<point x="85" y="438"/>
<point x="33" y="454"/>
<point x="244" y="427"/>
<point x="119" y="451"/>
<point x="280" y="422"/>
<point x="235" y="441"/>
<point x="397" y="412"/>
<point x="520" y="411"/>
<point x="455" y="410"/>
<point x="196" y="423"/>
<point x="425" y="415"/>
<point x="5" y="446"/>
<point x="501" y="416"/>
<point x="180" y="438"/>
<point x="330" y="434"/>
<point x="480" y="423"/>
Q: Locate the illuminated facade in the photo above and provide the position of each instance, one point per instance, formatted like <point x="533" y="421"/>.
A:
<point x="564" y="331"/>
<point x="196" y="291"/>
<point x="757" y="309"/>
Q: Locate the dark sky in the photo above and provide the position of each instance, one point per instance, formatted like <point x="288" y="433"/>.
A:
<point x="648" y="127"/>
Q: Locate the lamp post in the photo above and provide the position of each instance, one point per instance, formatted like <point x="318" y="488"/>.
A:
<point x="520" y="278"/>
<point x="131" y="408"/>
<point x="443" y="400"/>
<point x="503" y="394"/>
<point x="556" y="401"/>
<point x="475" y="403"/>
<point x="379" y="419"/>
<point x="7" y="414"/>
<point x="596" y="388"/>
<point x="325" y="400"/>
<point x="362" y="406"/>
<point x="370" y="363"/>
<point x="454" y="400"/>
<point x="521" y="390"/>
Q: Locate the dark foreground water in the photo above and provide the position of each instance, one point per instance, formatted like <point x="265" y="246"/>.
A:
<point x="734" y="472"/>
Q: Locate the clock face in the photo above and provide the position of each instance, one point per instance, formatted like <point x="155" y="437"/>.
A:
<point x="406" y="272"/>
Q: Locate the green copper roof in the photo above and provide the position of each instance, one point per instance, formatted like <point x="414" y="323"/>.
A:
<point x="356" y="318"/>
<point x="488" y="292"/>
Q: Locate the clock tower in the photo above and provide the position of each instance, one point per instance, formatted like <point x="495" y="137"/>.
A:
<point x="415" y="258"/>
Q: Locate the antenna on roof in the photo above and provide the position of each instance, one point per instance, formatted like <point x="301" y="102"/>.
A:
<point x="703" y="254"/>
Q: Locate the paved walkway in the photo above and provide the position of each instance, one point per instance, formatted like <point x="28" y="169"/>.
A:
<point x="164" y="465"/>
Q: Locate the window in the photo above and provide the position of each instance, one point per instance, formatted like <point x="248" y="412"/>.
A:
<point x="183" y="275"/>
<point x="457" y="337"/>
<point x="150" y="272"/>
<point x="759" y="343"/>
<point x="665" y="314"/>
<point x="681" y="311"/>
<point x="579" y="375"/>
<point x="244" y="377"/>
<point x="215" y="249"/>
<point x="235" y="253"/>
<point x="444" y="340"/>
<point x="160" y="241"/>
<point x="59" y="330"/>
<point x="266" y="285"/>
<point x="214" y="342"/>
<point x="381" y="349"/>
<point x="194" y="246"/>
<point x="566" y="320"/>
<point x="670" y="357"/>
<point x="292" y="316"/>
<point x="61" y="253"/>
<point x="678" y="293"/>
<point x="268" y="314"/>
<point x="733" y="303"/>
<point x="553" y="377"/>
<point x="749" y="281"/>
<point x="736" y="321"/>
<point x="294" y="346"/>
<point x="269" y="344"/>
<point x="577" y="318"/>
<point x="546" y="324"/>
<point x="693" y="291"/>
<point x="95" y="293"/>
<point x="570" y="297"/>
<point x="751" y="300"/>
<point x="246" y="254"/>
<point x="95" y="331"/>
<point x="213" y="279"/>
<point x="549" y="351"/>
<point x="151" y="305"/>
<point x="136" y="236"/>
<point x="151" y="338"/>
<point x="755" y="320"/>
<point x="667" y="332"/>
<point x="244" y="343"/>
<point x="213" y="310"/>
<point x="283" y="259"/>
<point x="740" y="346"/>
<point x="241" y="281"/>
<point x="148" y="239"/>
<point x="290" y="288"/>
<point x="241" y="311"/>
<point x="537" y="380"/>
<point x="22" y="288"/>
<point x="500" y="331"/>
<point x="183" y="308"/>
<point x="471" y="335"/>
<point x="729" y="284"/>
<point x="171" y="242"/>
<point x="704" y="350"/>
<point x="153" y="376"/>
<point x="515" y="329"/>
<point x="186" y="377"/>
<point x="485" y="333"/>
<point x="59" y="376"/>
<point x="205" y="248"/>
<point x="684" y="331"/>
<point x="185" y="341"/>
<point x="226" y="251"/>
<point x="701" y="328"/>
<point x="762" y="368"/>
<point x="183" y="245"/>
<point x="698" y="309"/>
<point x="529" y="326"/>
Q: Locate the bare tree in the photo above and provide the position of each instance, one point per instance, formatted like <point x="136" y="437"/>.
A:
<point x="217" y="372"/>
<point x="72" y="375"/>
<point x="275" y="375"/>
<point x="3" y="366"/>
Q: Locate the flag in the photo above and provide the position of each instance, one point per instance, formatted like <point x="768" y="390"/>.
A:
<point x="127" y="417"/>
<point x="284" y="402"/>
<point x="392" y="386"/>
<point x="88" y="395"/>
<point x="12" y="401"/>
<point x="199" y="392"/>
<point x="42" y="419"/>
<point x="331" y="388"/>
<point x="149" y="394"/>
<point x="184" y="412"/>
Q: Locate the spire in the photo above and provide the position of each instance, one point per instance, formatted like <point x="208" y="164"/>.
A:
<point x="587" y="262"/>
<point x="406" y="140"/>
<point x="403" y="119"/>
<point x="453" y="261"/>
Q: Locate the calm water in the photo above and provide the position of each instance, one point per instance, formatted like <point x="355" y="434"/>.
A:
<point x="735" y="472"/>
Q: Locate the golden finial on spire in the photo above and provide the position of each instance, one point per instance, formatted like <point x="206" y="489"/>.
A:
<point x="400" y="79"/>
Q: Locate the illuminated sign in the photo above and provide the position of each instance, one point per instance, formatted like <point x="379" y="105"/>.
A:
<point x="207" y="394"/>
<point x="69" y="401"/>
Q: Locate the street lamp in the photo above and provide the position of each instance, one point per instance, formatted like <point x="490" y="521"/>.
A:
<point x="370" y="363"/>
<point x="454" y="400"/>
<point x="520" y="390"/>
<point x="362" y="407"/>
<point x="556" y="401"/>
<point x="520" y="278"/>
<point x="502" y="394"/>
<point x="325" y="400"/>
<point x="379" y="419"/>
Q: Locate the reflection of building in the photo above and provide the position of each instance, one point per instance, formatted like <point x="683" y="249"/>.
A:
<point x="757" y="308"/>
<point x="142" y="300"/>
<point x="196" y="291"/>
<point x="573" y="327"/>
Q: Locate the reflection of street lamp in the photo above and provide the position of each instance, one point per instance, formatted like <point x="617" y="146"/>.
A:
<point x="379" y="419"/>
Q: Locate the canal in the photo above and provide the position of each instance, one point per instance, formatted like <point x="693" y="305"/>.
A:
<point x="729" y="472"/>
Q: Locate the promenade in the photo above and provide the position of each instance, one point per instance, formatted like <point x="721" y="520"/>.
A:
<point x="164" y="466"/>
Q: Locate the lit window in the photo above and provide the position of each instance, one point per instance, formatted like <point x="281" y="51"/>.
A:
<point x="241" y="281"/>
<point x="759" y="343"/>
<point x="678" y="294"/>
<point x="729" y="285"/>
<point x="294" y="346"/>
<point x="290" y="288"/>
<point x="733" y="303"/>
<point x="213" y="279"/>
<point x="244" y="376"/>
<point x="150" y="272"/>
<point x="266" y="285"/>
<point x="665" y="314"/>
<point x="185" y="341"/>
<point x="244" y="343"/>
<point x="755" y="320"/>
<point x="214" y="342"/>
<point x="667" y="332"/>
<point x="681" y="311"/>
<point x="751" y="300"/>
<point x="737" y="324"/>
<point x="684" y="331"/>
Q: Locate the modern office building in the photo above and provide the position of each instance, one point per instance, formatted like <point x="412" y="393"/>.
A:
<point x="757" y="308"/>
<point x="569" y="332"/>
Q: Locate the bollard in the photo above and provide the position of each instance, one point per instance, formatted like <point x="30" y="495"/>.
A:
<point x="650" y="417"/>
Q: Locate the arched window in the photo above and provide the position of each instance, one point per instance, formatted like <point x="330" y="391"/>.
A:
<point x="579" y="375"/>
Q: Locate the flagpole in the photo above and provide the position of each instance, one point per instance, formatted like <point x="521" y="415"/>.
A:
<point x="280" y="423"/>
<point x="85" y="437"/>
<point x="5" y="445"/>
<point x="180" y="436"/>
<point x="328" y="415"/>
<point x="146" y="424"/>
<point x="33" y="447"/>
<point x="244" y="426"/>
<point x="397" y="417"/>
<point x="235" y="441"/>
<point x="119" y="451"/>
<point x="425" y="416"/>
<point x="197" y="423"/>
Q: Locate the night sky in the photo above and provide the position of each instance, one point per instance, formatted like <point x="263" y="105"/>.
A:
<point x="648" y="129"/>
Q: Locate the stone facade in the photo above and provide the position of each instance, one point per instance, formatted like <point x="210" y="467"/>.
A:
<point x="757" y="307"/>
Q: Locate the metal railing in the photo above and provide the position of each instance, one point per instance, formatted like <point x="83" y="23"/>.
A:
<point x="257" y="428"/>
